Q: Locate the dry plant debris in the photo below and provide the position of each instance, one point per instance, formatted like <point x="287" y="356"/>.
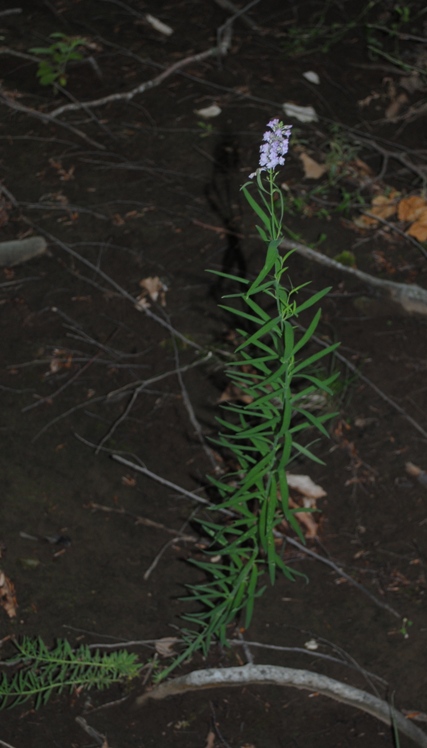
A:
<point x="7" y="595"/>
<point x="152" y="288"/>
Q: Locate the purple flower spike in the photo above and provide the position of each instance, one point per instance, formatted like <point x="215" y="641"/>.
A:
<point x="275" y="146"/>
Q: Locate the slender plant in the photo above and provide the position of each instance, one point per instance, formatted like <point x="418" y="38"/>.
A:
<point x="262" y="434"/>
<point x="40" y="671"/>
<point x="53" y="68"/>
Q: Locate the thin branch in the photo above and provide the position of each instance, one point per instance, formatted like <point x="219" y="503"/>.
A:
<point x="137" y="391"/>
<point x="141" y="521"/>
<point x="302" y="548"/>
<point x="342" y="574"/>
<point x="12" y="104"/>
<point x="220" y="50"/>
<point x="190" y="410"/>
<point x="167" y="483"/>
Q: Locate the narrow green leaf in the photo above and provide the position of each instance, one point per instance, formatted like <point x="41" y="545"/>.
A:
<point x="258" y="210"/>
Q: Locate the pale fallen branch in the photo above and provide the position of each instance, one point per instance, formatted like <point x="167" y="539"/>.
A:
<point x="220" y="50"/>
<point x="412" y="298"/>
<point x="283" y="676"/>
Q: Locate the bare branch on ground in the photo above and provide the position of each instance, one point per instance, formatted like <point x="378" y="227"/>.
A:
<point x="302" y="548"/>
<point x="12" y="104"/>
<point x="220" y="50"/>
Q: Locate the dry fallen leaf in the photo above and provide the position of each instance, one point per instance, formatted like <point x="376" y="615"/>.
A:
<point x="395" y="106"/>
<point x="312" y="169"/>
<point x="210" y="740"/>
<point x="383" y="206"/>
<point x="418" y="229"/>
<point x="164" y="647"/>
<point x="154" y="288"/>
<point x="411" y="208"/>
<point x="7" y="595"/>
<point x="305" y="486"/>
<point x="305" y="518"/>
<point x="233" y="393"/>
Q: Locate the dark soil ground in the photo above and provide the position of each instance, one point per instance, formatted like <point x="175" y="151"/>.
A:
<point x="148" y="187"/>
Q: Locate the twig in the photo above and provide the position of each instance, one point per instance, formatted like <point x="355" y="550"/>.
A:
<point x="282" y="676"/>
<point x="137" y="391"/>
<point x="119" y="289"/>
<point x="343" y="574"/>
<point x="169" y="484"/>
<point x="240" y="13"/>
<point x="162" y="551"/>
<point x="370" y="384"/>
<point x="392" y="227"/>
<point x="94" y="734"/>
<point x="184" y="492"/>
<point x="220" y="50"/>
<point x="310" y="653"/>
<point x="12" y="104"/>
<point x="66" y="384"/>
<point x="190" y="410"/>
<point x="9" y="13"/>
<point x="141" y="521"/>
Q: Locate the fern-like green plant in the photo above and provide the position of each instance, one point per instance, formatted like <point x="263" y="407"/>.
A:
<point x="40" y="671"/>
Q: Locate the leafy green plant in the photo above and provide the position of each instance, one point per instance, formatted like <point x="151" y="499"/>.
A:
<point x="263" y="434"/>
<point x="53" y="69"/>
<point x="41" y="671"/>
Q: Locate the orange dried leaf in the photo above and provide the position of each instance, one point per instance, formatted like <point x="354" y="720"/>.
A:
<point x="411" y="208"/>
<point x="384" y="206"/>
<point x="418" y="229"/>
<point x="312" y="169"/>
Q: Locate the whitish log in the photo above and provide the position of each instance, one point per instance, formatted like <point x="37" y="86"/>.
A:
<point x="284" y="676"/>
<point x="21" y="250"/>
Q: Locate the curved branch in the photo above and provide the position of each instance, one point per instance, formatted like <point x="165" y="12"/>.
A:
<point x="284" y="676"/>
<point x="220" y="50"/>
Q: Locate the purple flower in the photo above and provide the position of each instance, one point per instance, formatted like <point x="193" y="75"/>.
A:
<point x="275" y="146"/>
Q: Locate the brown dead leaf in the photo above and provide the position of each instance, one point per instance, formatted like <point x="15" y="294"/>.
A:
<point x="305" y="518"/>
<point x="384" y="206"/>
<point x="418" y="230"/>
<point x="233" y="394"/>
<point x="395" y="106"/>
<point x="7" y="595"/>
<point x="154" y="288"/>
<point x="210" y="740"/>
<point x="411" y="208"/>
<point x="312" y="169"/>
<point x="129" y="481"/>
<point x="164" y="647"/>
<point x="61" y="359"/>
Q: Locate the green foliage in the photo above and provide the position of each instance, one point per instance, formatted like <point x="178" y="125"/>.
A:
<point x="53" y="69"/>
<point x="346" y="258"/>
<point x="261" y="435"/>
<point x="41" y="671"/>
